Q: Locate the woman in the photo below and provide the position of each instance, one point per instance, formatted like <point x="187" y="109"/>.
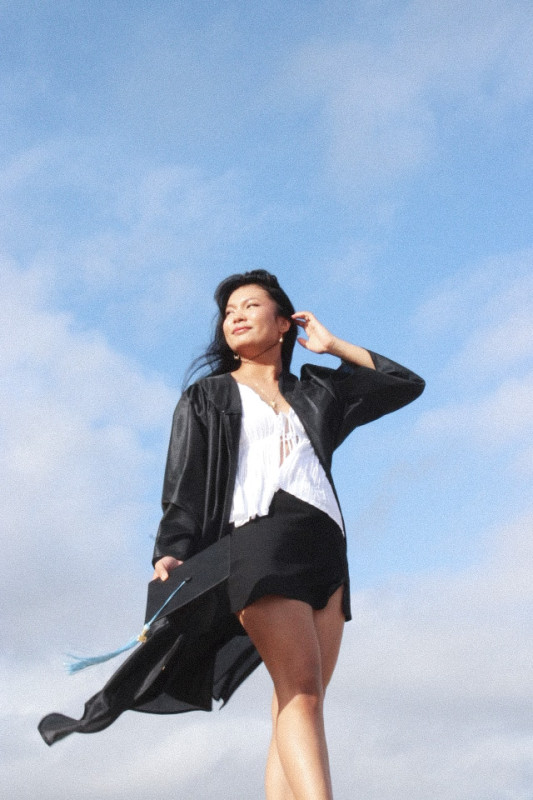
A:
<point x="250" y="458"/>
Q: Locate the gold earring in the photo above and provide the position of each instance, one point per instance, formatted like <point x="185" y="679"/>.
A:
<point x="236" y="356"/>
<point x="281" y="339"/>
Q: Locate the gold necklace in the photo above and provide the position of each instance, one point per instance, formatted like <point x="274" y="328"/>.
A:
<point x="272" y="402"/>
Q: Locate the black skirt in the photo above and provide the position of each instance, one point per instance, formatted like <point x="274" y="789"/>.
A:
<point x="296" y="551"/>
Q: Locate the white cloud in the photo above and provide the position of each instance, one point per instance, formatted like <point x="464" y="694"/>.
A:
<point x="132" y="240"/>
<point x="432" y="693"/>
<point x="82" y="430"/>
<point x="378" y="100"/>
<point x="481" y="297"/>
<point x="172" y="216"/>
<point x="352" y="269"/>
<point x="504" y="339"/>
<point x="430" y="698"/>
<point x="523" y="462"/>
<point x="500" y="346"/>
<point x="435" y="680"/>
<point x="141" y="218"/>
<point x="482" y="319"/>
<point x="501" y="416"/>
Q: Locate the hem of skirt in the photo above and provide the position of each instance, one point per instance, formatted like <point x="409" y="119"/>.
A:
<point x="303" y="596"/>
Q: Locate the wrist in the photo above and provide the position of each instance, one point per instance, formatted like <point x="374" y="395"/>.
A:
<point x="334" y="348"/>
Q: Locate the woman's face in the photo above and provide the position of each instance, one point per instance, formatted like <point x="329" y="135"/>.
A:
<point x="251" y="321"/>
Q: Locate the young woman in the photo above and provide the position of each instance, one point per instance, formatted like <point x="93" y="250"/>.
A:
<point x="250" y="459"/>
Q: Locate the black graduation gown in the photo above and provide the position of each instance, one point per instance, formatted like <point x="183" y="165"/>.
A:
<point x="198" y="651"/>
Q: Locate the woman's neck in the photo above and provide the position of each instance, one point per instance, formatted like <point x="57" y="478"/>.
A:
<point x="257" y="371"/>
<point x="265" y="365"/>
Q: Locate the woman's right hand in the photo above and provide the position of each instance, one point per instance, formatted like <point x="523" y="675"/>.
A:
<point x="164" y="566"/>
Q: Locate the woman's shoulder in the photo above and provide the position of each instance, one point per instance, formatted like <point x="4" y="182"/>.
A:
<point x="220" y="391"/>
<point x="326" y="376"/>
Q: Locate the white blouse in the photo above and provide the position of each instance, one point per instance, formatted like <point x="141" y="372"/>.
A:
<point x="275" y="453"/>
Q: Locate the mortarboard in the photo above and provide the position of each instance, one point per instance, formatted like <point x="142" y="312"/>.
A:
<point x="196" y="576"/>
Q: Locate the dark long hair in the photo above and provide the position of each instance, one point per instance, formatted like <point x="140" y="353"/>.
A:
<point x="218" y="357"/>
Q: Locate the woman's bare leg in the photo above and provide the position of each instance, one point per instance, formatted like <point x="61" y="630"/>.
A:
<point x="284" y="633"/>
<point x="276" y="784"/>
<point x="299" y="647"/>
<point x="329" y="623"/>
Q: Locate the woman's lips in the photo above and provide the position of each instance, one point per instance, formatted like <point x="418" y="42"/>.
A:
<point x="240" y="330"/>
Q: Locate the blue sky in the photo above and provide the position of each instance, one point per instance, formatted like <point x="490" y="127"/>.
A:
<point x="377" y="156"/>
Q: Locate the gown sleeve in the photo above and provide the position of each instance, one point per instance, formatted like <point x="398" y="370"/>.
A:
<point x="368" y="394"/>
<point x="184" y="482"/>
<point x="363" y="394"/>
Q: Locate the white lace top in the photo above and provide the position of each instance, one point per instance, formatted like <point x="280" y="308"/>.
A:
<point x="275" y="453"/>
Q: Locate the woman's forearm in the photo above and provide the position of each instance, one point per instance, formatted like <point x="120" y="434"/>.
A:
<point x="351" y="352"/>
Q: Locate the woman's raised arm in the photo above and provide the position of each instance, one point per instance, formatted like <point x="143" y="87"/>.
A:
<point x="320" y="340"/>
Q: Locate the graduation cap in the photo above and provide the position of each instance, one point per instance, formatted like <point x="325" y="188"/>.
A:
<point x="196" y="576"/>
<point x="185" y="583"/>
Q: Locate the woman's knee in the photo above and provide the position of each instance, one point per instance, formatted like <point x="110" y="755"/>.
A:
<point x="306" y="686"/>
<point x="299" y="682"/>
<point x="302" y="703"/>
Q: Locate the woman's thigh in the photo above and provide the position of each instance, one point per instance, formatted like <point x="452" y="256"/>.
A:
<point x="329" y="625"/>
<point x="298" y="645"/>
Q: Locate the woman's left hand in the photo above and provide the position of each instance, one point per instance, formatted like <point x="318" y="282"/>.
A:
<point x="319" y="339"/>
<point x="164" y="566"/>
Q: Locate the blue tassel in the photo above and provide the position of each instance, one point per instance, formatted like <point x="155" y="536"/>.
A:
<point x="78" y="663"/>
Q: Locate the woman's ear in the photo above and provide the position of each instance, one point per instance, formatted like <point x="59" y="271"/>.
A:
<point x="285" y="325"/>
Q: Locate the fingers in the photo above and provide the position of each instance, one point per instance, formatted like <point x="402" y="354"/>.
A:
<point x="319" y="338"/>
<point x="302" y="318"/>
<point x="160" y="572"/>
<point x="163" y="567"/>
